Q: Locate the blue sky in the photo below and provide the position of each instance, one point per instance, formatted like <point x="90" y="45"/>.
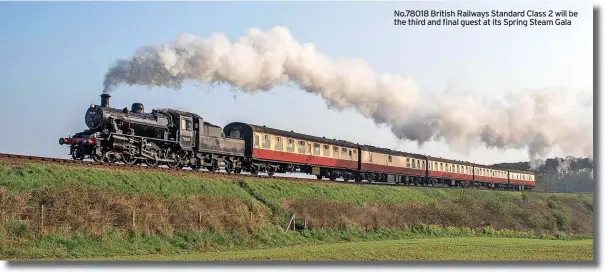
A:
<point x="54" y="57"/>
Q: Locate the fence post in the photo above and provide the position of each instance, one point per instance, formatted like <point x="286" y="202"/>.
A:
<point x="133" y="220"/>
<point x="289" y="222"/>
<point x="305" y="226"/>
<point x="41" y="218"/>
<point x="294" y="222"/>
<point x="199" y="221"/>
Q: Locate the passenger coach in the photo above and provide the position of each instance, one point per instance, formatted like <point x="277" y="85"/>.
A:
<point x="449" y="172"/>
<point x="385" y="165"/>
<point x="278" y="151"/>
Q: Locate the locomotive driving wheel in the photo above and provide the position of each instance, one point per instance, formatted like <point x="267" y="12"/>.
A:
<point x="154" y="152"/>
<point x="129" y="159"/>
<point x="175" y="161"/>
<point x="152" y="162"/>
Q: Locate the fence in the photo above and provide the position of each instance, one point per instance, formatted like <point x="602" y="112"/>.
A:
<point x="42" y="219"/>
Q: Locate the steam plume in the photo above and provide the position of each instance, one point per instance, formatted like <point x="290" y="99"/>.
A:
<point x="260" y="60"/>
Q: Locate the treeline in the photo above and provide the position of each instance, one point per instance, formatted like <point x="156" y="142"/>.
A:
<point x="574" y="175"/>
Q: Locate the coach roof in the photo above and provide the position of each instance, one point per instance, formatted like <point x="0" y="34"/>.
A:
<point x="300" y="136"/>
<point x="437" y="159"/>
<point x="390" y="152"/>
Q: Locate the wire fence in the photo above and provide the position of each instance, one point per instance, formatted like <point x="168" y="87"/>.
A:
<point x="44" y="220"/>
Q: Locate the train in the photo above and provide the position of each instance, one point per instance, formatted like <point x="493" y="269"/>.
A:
<point x="180" y="139"/>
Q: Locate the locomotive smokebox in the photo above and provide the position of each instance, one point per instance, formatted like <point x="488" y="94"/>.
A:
<point x="137" y="108"/>
<point x="105" y="100"/>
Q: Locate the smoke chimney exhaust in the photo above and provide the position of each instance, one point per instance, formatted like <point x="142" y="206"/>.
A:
<point x="105" y="100"/>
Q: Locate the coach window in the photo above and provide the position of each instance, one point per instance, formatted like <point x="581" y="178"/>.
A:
<point x="315" y="149"/>
<point x="370" y="157"/>
<point x="326" y="151"/>
<point x="290" y="145"/>
<point x="354" y="153"/>
<point x="279" y="145"/>
<point x="344" y="153"/>
<point x="407" y="162"/>
<point x="335" y="152"/>
<point x="390" y="158"/>
<point x="422" y="165"/>
<point x="301" y="147"/>
<point x="429" y="165"/>
<point x="256" y="140"/>
<point x="413" y="163"/>
<point x="267" y="142"/>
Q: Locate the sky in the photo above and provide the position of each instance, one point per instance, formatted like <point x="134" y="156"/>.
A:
<point x="55" y="55"/>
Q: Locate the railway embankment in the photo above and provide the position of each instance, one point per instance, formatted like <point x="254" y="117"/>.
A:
<point x="53" y="210"/>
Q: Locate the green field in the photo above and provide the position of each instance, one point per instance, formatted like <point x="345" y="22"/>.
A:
<point x="429" y="249"/>
<point x="68" y="211"/>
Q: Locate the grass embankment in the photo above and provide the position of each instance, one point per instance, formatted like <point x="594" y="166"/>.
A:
<point x="89" y="212"/>
<point x="431" y="249"/>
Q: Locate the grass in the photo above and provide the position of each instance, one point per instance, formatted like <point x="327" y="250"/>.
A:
<point x="276" y="191"/>
<point x="428" y="249"/>
<point x="116" y="243"/>
<point x="21" y="178"/>
<point x="84" y="205"/>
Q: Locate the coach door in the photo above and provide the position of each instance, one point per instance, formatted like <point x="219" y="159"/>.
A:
<point x="186" y="137"/>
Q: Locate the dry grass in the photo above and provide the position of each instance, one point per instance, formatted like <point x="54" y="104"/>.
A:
<point x="530" y="214"/>
<point x="95" y="210"/>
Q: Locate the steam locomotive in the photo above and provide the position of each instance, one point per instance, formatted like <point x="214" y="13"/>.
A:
<point x="182" y="139"/>
<point x="162" y="137"/>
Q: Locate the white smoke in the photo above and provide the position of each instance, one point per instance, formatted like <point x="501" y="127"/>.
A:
<point x="538" y="120"/>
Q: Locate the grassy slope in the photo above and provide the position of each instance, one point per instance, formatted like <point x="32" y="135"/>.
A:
<point x="454" y="248"/>
<point x="20" y="178"/>
<point x="23" y="178"/>
<point x="275" y="191"/>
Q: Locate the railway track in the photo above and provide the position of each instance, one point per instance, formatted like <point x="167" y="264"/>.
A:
<point x="206" y="173"/>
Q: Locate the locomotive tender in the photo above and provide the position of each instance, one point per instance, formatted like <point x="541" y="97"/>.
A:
<point x="183" y="139"/>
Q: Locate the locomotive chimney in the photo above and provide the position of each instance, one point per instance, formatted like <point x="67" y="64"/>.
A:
<point x="105" y="100"/>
